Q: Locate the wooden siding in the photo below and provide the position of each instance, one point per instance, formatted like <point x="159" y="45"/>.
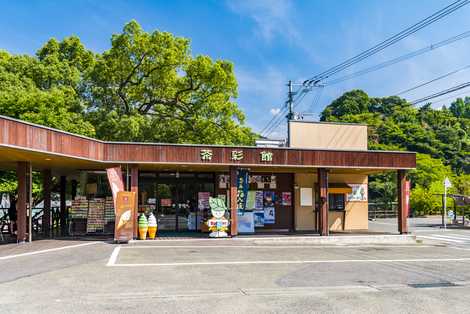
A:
<point x="27" y="136"/>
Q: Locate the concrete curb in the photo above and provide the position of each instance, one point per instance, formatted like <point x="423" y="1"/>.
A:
<point x="312" y="240"/>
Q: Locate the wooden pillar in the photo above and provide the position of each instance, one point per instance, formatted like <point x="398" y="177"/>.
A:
<point x="46" y="217"/>
<point x="233" y="202"/>
<point x="63" y="205"/>
<point x="135" y="188"/>
<point x="323" y="199"/>
<point x="22" y="169"/>
<point x="402" y="203"/>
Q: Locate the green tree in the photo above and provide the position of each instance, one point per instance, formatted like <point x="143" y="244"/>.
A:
<point x="440" y="136"/>
<point x="148" y="87"/>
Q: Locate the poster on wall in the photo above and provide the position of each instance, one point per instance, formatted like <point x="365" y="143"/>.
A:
<point x="306" y="196"/>
<point x="359" y="193"/>
<point x="259" y="182"/>
<point x="286" y="198"/>
<point x="251" y="200"/>
<point x="269" y="215"/>
<point x="203" y="200"/>
<point x="223" y="181"/>
<point x="245" y="222"/>
<point x="259" y="218"/>
<point x="272" y="182"/>
<point x="269" y="197"/>
<point x="259" y="200"/>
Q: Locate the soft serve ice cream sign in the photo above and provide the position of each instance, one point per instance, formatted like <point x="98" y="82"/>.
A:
<point x="218" y="224"/>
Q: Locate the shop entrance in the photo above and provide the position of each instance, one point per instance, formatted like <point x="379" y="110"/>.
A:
<point x="174" y="197"/>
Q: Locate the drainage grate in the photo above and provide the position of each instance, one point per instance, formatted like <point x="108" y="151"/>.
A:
<point x="433" y="285"/>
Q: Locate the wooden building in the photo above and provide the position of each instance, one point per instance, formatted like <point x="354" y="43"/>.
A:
<point x="317" y="184"/>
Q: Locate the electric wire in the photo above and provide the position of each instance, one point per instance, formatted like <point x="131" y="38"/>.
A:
<point x="301" y="94"/>
<point x="388" y="42"/>
<point x="402" y="58"/>
<point x="282" y="111"/>
<point x="432" y="81"/>
<point x="453" y="96"/>
<point x="441" y="93"/>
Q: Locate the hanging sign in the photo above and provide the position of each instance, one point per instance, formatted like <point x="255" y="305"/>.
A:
<point x="242" y="190"/>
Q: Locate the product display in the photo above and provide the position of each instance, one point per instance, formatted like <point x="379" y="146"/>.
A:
<point x="143" y="226"/>
<point x="152" y="226"/>
<point x="79" y="208"/>
<point x="109" y="215"/>
<point x="95" y="219"/>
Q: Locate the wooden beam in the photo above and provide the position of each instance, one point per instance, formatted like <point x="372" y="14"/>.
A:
<point x="233" y="202"/>
<point x="46" y="217"/>
<point x="402" y="203"/>
<point x="21" y="210"/>
<point x="135" y="188"/>
<point x="323" y="198"/>
<point x="63" y="205"/>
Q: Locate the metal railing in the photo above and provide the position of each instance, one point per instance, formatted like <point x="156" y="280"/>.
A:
<point x="381" y="210"/>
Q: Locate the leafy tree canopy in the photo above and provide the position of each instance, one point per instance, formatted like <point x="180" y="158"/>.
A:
<point x="146" y="87"/>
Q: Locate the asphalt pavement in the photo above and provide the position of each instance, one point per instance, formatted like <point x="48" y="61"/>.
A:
<point x="230" y="276"/>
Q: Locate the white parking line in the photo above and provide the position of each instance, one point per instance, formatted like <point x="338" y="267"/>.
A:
<point x="113" y="257"/>
<point x="272" y="246"/>
<point x="47" y="250"/>
<point x="214" y="263"/>
<point x="441" y="238"/>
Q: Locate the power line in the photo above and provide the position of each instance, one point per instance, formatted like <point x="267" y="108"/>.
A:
<point x="431" y="81"/>
<point x="441" y="93"/>
<point x="453" y="96"/>
<point x="282" y="111"/>
<point x="404" y="57"/>
<point x="301" y="94"/>
<point x="388" y="42"/>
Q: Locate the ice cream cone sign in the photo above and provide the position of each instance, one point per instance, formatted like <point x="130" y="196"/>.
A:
<point x="218" y="224"/>
<point x="152" y="226"/>
<point x="143" y="227"/>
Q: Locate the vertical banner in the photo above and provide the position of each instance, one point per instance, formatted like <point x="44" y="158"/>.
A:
<point x="115" y="181"/>
<point x="242" y="190"/>
<point x="407" y="198"/>
<point x="125" y="209"/>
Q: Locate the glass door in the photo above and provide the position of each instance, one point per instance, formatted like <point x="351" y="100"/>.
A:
<point x="167" y="200"/>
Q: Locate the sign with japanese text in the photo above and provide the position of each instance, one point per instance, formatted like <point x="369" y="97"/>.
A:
<point x="242" y="190"/>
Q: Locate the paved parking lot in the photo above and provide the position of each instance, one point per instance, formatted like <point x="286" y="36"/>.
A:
<point x="199" y="276"/>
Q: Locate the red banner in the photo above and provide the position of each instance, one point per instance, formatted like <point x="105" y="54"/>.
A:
<point x="115" y="182"/>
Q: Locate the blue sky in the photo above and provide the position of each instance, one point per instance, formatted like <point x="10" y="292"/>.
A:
<point x="269" y="41"/>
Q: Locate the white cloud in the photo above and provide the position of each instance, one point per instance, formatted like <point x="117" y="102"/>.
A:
<point x="272" y="17"/>
<point x="275" y="111"/>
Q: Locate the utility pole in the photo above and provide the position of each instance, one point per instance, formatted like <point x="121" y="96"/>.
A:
<point x="290" y="113"/>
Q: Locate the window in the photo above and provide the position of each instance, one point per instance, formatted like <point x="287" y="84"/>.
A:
<point x="336" y="201"/>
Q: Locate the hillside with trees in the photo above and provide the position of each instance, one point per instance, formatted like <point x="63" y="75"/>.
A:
<point x="439" y="136"/>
